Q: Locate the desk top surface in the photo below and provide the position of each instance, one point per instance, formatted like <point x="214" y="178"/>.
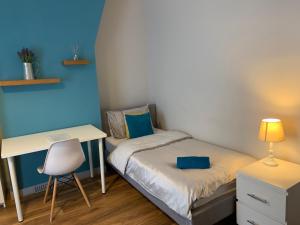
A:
<point x="41" y="141"/>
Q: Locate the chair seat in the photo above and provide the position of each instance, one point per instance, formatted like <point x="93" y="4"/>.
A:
<point x="40" y="169"/>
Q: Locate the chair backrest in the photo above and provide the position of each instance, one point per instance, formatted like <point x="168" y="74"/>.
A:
<point x="63" y="157"/>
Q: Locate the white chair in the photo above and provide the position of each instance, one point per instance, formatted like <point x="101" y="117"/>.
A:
<point x="63" y="158"/>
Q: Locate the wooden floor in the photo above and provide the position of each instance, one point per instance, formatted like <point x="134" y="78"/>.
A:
<point x="121" y="205"/>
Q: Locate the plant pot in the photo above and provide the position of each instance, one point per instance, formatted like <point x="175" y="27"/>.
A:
<point x="28" y="71"/>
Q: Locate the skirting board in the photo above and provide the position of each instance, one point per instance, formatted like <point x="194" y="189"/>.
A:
<point x="41" y="187"/>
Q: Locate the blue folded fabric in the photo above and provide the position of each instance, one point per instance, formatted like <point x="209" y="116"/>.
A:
<point x="193" y="162"/>
<point x="139" y="125"/>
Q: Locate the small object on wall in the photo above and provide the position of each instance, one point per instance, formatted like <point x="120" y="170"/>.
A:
<point x="76" y="52"/>
<point x="8" y="83"/>
<point x="27" y="57"/>
<point x="76" y="62"/>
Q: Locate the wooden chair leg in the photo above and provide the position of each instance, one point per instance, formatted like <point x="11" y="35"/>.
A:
<point x="47" y="189"/>
<point x="81" y="190"/>
<point x="53" y="199"/>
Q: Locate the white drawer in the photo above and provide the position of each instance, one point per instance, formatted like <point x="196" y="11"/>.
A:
<point x="261" y="197"/>
<point x="247" y="216"/>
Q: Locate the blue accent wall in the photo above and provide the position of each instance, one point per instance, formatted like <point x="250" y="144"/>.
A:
<point x="50" y="28"/>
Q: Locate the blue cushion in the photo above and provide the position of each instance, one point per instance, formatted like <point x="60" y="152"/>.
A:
<point x="193" y="162"/>
<point x="139" y="125"/>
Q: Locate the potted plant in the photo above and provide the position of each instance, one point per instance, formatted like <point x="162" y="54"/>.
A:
<point x="27" y="57"/>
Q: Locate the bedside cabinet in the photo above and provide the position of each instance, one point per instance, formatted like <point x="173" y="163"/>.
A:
<point x="268" y="195"/>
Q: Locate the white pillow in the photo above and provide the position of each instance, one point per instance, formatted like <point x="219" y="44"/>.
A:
<point x="116" y="120"/>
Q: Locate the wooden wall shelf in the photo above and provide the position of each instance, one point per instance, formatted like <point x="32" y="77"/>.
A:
<point x="7" y="83"/>
<point x="75" y="62"/>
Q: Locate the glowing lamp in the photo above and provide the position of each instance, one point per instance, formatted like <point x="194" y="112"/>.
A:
<point x="271" y="130"/>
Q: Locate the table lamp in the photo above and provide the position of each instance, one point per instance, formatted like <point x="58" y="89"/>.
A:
<point x="271" y="130"/>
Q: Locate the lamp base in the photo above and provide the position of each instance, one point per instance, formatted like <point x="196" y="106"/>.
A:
<point x="270" y="161"/>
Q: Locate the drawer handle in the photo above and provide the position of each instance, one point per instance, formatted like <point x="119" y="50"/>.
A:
<point x="252" y="222"/>
<point x="258" y="198"/>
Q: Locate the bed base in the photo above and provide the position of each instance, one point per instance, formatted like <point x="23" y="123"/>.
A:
<point x="208" y="214"/>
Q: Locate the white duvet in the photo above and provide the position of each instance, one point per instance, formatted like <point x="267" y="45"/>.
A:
<point x="151" y="162"/>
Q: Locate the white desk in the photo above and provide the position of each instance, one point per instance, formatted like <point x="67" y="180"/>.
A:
<point x="22" y="145"/>
<point x="2" y="200"/>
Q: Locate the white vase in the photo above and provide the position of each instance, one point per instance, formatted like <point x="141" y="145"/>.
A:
<point x="28" y="71"/>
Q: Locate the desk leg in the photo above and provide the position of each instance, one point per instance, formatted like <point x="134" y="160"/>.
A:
<point x="90" y="158"/>
<point x="102" y="166"/>
<point x="14" y="183"/>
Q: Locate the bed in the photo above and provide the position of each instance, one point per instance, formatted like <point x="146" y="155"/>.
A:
<point x="189" y="197"/>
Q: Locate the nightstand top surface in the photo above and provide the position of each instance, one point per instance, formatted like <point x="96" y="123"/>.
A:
<point x="283" y="176"/>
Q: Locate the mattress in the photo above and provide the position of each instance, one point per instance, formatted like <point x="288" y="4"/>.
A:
<point x="207" y="214"/>
<point x="112" y="143"/>
<point x="221" y="191"/>
<point x="156" y="171"/>
<point x="154" y="168"/>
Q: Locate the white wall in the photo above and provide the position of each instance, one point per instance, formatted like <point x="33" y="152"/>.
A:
<point x="120" y="55"/>
<point x="215" y="68"/>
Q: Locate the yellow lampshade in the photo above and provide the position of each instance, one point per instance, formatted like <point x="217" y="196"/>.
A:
<point x="271" y="130"/>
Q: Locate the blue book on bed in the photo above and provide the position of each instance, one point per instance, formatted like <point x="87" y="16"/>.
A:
<point x="193" y="162"/>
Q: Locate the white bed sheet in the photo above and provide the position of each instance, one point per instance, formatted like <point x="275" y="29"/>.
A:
<point x="155" y="170"/>
<point x="222" y="190"/>
<point x="115" y="141"/>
